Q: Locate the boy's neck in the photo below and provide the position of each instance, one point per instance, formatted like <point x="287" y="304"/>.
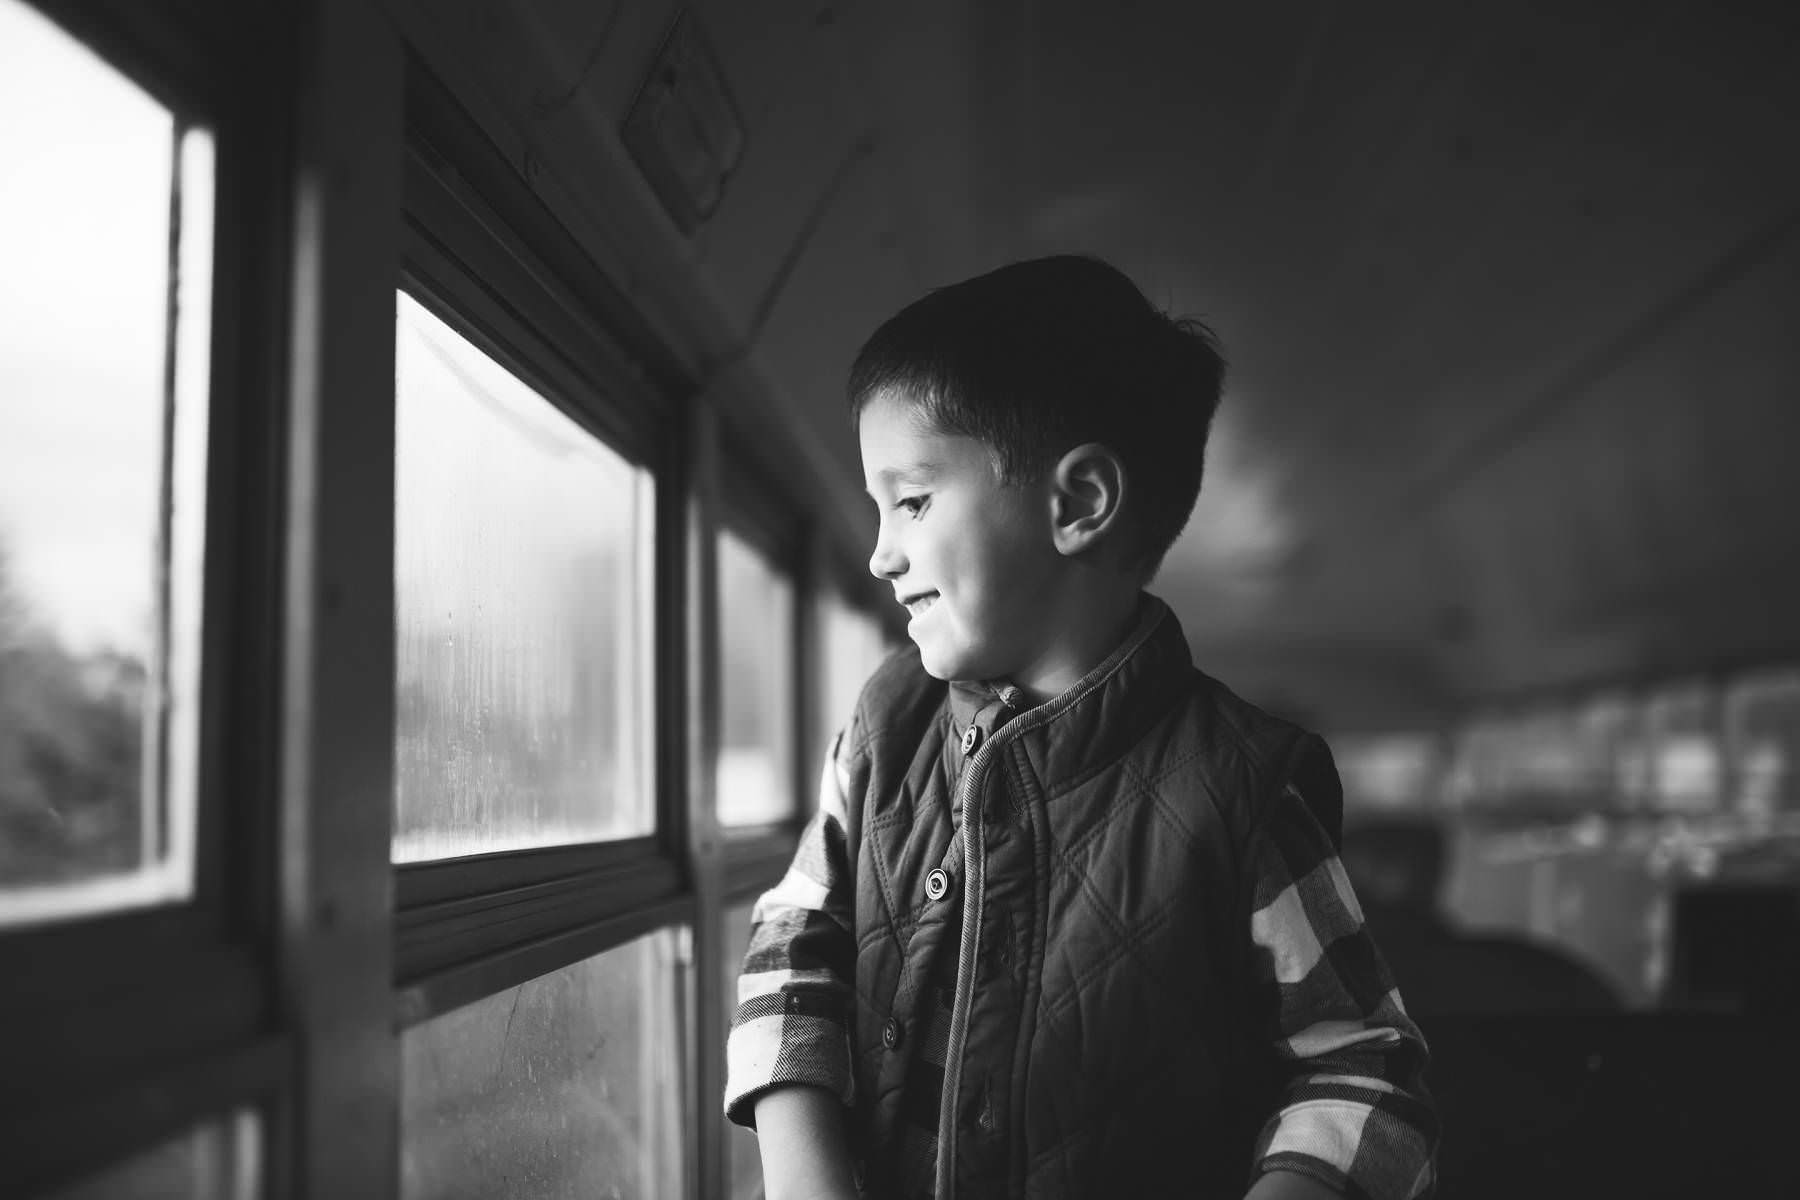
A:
<point x="1094" y="628"/>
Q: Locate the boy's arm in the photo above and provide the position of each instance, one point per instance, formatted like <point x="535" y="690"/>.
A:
<point x="800" y="1131"/>
<point x="1354" y="1115"/>
<point x="788" y="1054"/>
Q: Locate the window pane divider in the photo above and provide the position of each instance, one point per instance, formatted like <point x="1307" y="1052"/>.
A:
<point x="514" y="962"/>
<point x="446" y="933"/>
<point x="425" y="883"/>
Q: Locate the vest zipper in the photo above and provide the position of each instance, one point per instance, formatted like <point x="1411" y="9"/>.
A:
<point x="974" y="874"/>
<point x="974" y="879"/>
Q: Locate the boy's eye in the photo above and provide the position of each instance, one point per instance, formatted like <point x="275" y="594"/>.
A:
<point x="912" y="504"/>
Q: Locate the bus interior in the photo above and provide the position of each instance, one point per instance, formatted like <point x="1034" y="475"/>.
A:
<point x="434" y="556"/>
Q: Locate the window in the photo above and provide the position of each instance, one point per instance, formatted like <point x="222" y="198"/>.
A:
<point x="523" y="562"/>
<point x="1683" y="741"/>
<point x="854" y="645"/>
<point x="1389" y="771"/>
<point x="1762" y="736"/>
<point x="756" y="686"/>
<point x="106" y="232"/>
<point x="569" y="1086"/>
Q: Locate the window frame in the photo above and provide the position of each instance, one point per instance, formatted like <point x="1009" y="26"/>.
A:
<point x="138" y="1023"/>
<point x="477" y="252"/>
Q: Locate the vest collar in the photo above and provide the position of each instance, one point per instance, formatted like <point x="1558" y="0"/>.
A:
<point x="977" y="709"/>
<point x="1153" y="659"/>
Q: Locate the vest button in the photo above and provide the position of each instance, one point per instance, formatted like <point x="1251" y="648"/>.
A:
<point x="971" y="739"/>
<point x="892" y="1034"/>
<point x="937" y="884"/>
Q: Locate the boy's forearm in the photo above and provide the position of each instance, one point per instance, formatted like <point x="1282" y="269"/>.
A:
<point x="800" y="1131"/>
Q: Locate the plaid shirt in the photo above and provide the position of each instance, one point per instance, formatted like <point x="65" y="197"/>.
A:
<point x="1354" y="1113"/>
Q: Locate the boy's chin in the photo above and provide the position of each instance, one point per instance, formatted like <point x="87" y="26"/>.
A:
<point x="948" y="667"/>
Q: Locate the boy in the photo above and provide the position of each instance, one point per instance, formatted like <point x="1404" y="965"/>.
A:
<point x="1069" y="919"/>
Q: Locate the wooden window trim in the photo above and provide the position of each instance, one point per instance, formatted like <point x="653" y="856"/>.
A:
<point x="73" y="1141"/>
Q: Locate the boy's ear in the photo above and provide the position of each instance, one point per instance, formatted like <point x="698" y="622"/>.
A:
<point x="1087" y="491"/>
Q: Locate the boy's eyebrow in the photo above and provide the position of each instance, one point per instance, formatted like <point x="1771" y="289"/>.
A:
<point x="918" y="472"/>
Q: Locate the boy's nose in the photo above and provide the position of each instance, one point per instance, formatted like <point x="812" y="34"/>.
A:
<point x="887" y="562"/>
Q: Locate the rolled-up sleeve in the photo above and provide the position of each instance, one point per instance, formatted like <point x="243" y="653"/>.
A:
<point x="1354" y="1112"/>
<point x="794" y="995"/>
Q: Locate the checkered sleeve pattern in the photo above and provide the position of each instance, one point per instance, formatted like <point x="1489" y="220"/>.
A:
<point x="1354" y="1113"/>
<point x="792" y="1023"/>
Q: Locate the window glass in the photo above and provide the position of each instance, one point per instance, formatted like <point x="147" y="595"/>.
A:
<point x="1762" y="732"/>
<point x="106" y="233"/>
<point x="1685" y="767"/>
<point x="523" y="552"/>
<point x="756" y="682"/>
<point x="744" y="1154"/>
<point x="568" y="1086"/>
<point x="220" y="1160"/>
<point x="1389" y="771"/>
<point x="853" y="647"/>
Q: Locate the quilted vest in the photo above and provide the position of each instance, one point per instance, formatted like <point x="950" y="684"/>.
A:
<point x="1102" y="1034"/>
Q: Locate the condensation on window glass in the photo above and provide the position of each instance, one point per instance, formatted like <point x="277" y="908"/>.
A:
<point x="567" y="1087"/>
<point x="523" y="568"/>
<point x="744" y="1154"/>
<point x="220" y="1160"/>
<point x="756" y="685"/>
<point x="106" y="216"/>
<point x="853" y="648"/>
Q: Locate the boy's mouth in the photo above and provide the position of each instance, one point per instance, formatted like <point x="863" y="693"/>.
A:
<point x="916" y="605"/>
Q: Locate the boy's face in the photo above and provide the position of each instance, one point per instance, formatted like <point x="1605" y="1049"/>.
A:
<point x="971" y="557"/>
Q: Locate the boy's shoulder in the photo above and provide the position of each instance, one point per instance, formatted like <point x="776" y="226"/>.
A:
<point x="1278" y="750"/>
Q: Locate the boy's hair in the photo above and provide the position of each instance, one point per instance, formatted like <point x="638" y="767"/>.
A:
<point x="1039" y="357"/>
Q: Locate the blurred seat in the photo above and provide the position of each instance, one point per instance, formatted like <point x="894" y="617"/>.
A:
<point x="1638" y="1104"/>
<point x="1396" y="865"/>
<point x="1736" y="948"/>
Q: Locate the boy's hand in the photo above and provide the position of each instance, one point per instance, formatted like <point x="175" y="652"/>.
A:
<point x="805" y="1156"/>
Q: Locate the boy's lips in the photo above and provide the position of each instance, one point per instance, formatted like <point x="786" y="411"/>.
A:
<point x="918" y="603"/>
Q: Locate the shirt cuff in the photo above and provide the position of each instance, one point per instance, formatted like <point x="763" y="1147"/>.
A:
<point x="786" y="1038"/>
<point x="1365" y="1140"/>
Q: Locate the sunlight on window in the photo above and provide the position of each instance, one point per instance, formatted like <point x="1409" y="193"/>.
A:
<point x="106" y="233"/>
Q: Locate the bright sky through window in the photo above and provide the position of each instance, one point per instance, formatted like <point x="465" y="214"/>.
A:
<point x="84" y="234"/>
<point x="104" y="395"/>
